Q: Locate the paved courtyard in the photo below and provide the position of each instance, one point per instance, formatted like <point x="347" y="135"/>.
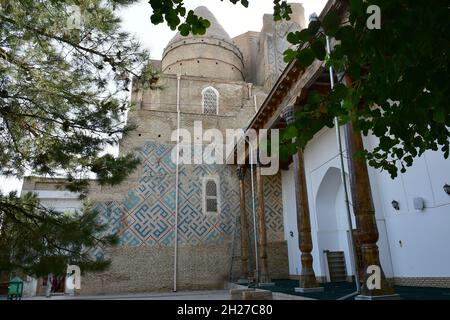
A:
<point x="191" y="295"/>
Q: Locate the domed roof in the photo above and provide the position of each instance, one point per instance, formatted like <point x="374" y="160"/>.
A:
<point x="212" y="54"/>
<point x="215" y="30"/>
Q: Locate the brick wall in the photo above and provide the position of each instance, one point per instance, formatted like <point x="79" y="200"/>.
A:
<point x="437" y="282"/>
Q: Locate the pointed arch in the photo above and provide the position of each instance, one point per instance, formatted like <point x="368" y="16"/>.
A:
<point x="211" y="196"/>
<point x="210" y="100"/>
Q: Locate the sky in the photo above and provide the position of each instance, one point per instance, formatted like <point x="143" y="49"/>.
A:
<point x="235" y="19"/>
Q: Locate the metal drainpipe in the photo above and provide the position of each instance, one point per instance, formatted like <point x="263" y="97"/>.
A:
<point x="175" y="263"/>
<point x="347" y="202"/>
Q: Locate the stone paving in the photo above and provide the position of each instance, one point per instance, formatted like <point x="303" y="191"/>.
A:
<point x="191" y="295"/>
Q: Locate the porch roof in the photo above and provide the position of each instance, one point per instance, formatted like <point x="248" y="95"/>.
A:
<point x="291" y="88"/>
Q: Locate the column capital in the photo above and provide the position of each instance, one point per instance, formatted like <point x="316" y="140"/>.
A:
<point x="288" y="114"/>
<point x="240" y="171"/>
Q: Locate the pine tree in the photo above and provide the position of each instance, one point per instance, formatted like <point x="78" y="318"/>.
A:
<point x="38" y="240"/>
<point x="65" y="73"/>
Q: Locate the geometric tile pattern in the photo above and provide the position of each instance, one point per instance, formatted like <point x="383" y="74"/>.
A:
<point x="146" y="216"/>
<point x="273" y="211"/>
<point x="277" y="44"/>
<point x="273" y="206"/>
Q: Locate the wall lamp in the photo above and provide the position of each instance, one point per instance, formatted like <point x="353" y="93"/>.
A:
<point x="395" y="205"/>
<point x="447" y="189"/>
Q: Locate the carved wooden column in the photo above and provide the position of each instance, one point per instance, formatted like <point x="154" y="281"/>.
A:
<point x="244" y="227"/>
<point x="366" y="223"/>
<point x="308" y="280"/>
<point x="262" y="239"/>
<point x="364" y="214"/>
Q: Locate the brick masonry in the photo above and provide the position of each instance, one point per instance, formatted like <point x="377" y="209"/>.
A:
<point x="141" y="211"/>
<point x="144" y="220"/>
<point x="436" y="282"/>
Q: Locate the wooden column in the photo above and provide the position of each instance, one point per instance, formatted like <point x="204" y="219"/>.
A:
<point x="364" y="213"/>
<point x="244" y="226"/>
<point x="366" y="223"/>
<point x="262" y="239"/>
<point x="307" y="275"/>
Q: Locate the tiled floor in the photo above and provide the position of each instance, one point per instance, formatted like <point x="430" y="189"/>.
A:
<point x="334" y="291"/>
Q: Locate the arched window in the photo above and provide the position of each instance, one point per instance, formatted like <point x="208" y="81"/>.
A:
<point x="210" y="101"/>
<point x="211" y="195"/>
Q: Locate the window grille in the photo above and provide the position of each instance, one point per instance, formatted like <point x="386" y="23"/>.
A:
<point x="210" y="101"/>
<point x="211" y="196"/>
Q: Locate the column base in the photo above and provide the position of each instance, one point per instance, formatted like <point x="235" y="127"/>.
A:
<point x="384" y="297"/>
<point x="309" y="290"/>
<point x="308" y="280"/>
<point x="265" y="278"/>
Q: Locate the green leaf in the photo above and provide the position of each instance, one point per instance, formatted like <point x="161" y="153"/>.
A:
<point x="184" y="29"/>
<point x="291" y="149"/>
<point x="304" y="35"/>
<point x="409" y="160"/>
<point x="314" y="97"/>
<point x="293" y="37"/>
<point x="191" y="18"/>
<point x="319" y="50"/>
<point x="198" y="29"/>
<point x="354" y="71"/>
<point x="172" y="19"/>
<point x="156" y="17"/>
<point x="206" y="24"/>
<point x="305" y="57"/>
<point x="314" y="27"/>
<point x="339" y="92"/>
<point x="289" y="55"/>
<point x="182" y="11"/>
<point x="289" y="133"/>
<point x="348" y="103"/>
<point x="331" y="23"/>
<point x="439" y="115"/>
<point x="357" y="7"/>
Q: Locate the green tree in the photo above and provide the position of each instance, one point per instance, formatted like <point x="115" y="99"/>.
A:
<point x="174" y="13"/>
<point x="398" y="77"/>
<point x="37" y="240"/>
<point x="65" y="70"/>
<point x="399" y="73"/>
